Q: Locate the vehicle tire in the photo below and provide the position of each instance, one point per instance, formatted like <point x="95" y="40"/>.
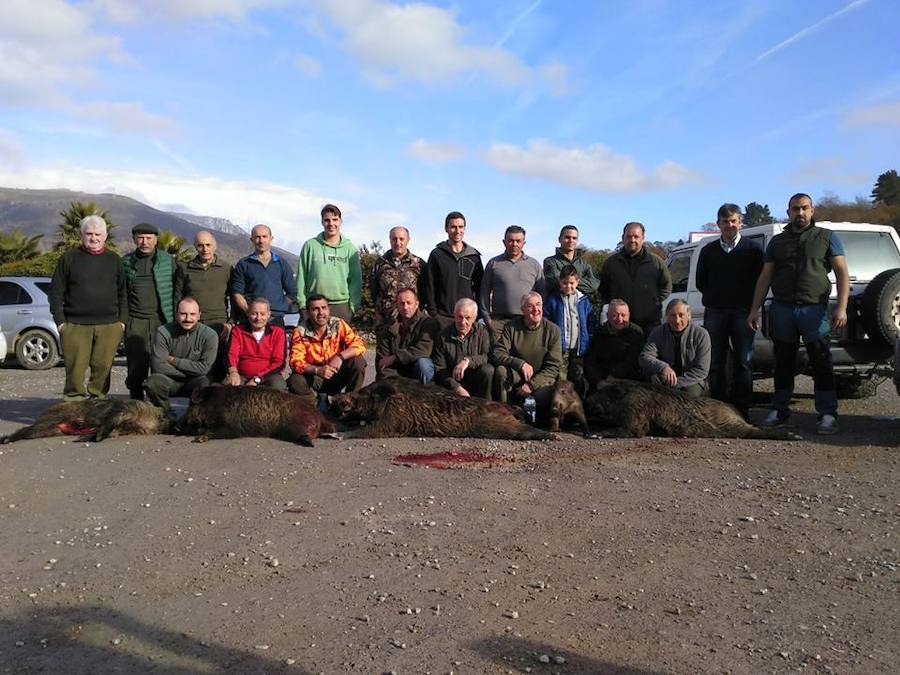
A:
<point x="881" y="307"/>
<point x="36" y="350"/>
<point x="854" y="386"/>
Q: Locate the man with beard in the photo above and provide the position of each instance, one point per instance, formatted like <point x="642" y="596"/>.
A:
<point x="796" y="266"/>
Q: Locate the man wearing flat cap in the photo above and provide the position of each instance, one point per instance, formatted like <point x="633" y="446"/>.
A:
<point x="149" y="275"/>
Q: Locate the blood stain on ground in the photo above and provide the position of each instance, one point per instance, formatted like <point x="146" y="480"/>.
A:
<point x="447" y="460"/>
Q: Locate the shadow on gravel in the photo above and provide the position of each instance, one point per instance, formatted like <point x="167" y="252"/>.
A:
<point x="24" y="410"/>
<point x="519" y="652"/>
<point x="81" y="640"/>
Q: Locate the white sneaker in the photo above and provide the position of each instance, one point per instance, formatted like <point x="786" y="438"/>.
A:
<point x="774" y="419"/>
<point x="827" y="424"/>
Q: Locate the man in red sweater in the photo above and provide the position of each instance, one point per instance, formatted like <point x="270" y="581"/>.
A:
<point x="257" y="350"/>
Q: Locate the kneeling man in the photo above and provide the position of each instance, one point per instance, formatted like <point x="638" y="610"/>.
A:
<point x="182" y="355"/>
<point x="615" y="347"/>
<point x="677" y="353"/>
<point x="528" y="357"/>
<point x="326" y="353"/>
<point x="461" y="353"/>
<point x="257" y="349"/>
<point x="405" y="347"/>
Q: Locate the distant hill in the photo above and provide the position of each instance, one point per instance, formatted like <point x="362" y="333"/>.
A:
<point x="37" y="212"/>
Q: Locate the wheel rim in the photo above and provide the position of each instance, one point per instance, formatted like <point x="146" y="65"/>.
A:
<point x="895" y="312"/>
<point x="36" y="350"/>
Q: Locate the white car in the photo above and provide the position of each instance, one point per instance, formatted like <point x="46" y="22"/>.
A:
<point x="28" y="328"/>
<point x="865" y="346"/>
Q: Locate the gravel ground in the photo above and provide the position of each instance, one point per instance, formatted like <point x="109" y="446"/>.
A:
<point x="156" y="554"/>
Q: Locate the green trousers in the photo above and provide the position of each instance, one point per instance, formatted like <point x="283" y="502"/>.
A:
<point x="88" y="346"/>
<point x="138" y="342"/>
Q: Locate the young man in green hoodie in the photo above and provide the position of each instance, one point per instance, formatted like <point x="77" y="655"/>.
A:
<point x="329" y="264"/>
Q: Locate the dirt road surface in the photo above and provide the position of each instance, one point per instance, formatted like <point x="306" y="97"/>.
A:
<point x="159" y="555"/>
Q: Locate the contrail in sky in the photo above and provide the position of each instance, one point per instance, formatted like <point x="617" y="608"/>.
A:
<point x="810" y="29"/>
<point x="515" y="22"/>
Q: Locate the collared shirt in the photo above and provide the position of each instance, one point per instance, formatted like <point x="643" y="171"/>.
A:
<point x="728" y="248"/>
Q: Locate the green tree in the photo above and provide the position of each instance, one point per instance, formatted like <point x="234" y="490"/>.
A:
<point x="757" y="214"/>
<point x="41" y="265"/>
<point x="68" y="232"/>
<point x="174" y="244"/>
<point x="887" y="189"/>
<point x="16" y="245"/>
<point x="364" y="318"/>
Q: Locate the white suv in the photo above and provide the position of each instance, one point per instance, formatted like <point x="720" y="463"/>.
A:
<point x="865" y="346"/>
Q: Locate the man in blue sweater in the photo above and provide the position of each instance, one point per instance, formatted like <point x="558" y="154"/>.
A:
<point x="727" y="270"/>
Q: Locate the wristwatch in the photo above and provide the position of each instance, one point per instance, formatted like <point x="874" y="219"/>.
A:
<point x="256" y="379"/>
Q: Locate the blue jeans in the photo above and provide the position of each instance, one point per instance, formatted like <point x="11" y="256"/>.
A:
<point x="730" y="334"/>
<point x="788" y="323"/>
<point x="424" y="370"/>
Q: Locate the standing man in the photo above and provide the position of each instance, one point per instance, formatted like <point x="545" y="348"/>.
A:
<point x="461" y="354"/>
<point x="406" y="346"/>
<point x="727" y="269"/>
<point x="454" y="271"/>
<point x="183" y="354"/>
<point x="329" y="265"/>
<point x="568" y="253"/>
<point x="637" y="276"/>
<point x="507" y="277"/>
<point x="528" y="357"/>
<point x="205" y="278"/>
<point x="395" y="269"/>
<point x="89" y="303"/>
<point x="150" y="276"/>
<point x="263" y="274"/>
<point x="796" y="266"/>
<point x="326" y="353"/>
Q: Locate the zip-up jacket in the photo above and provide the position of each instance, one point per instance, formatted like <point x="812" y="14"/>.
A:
<point x="450" y="277"/>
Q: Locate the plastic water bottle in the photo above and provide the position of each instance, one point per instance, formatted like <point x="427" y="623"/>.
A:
<point x="530" y="408"/>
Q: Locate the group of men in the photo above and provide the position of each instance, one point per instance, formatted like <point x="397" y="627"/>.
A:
<point x="507" y="330"/>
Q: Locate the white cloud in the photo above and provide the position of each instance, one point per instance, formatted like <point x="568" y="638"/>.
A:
<point x="809" y="30"/>
<point x="184" y="10"/>
<point x="433" y="151"/>
<point x="828" y="170"/>
<point x="308" y="65"/>
<point x="595" y="167"/>
<point x="878" y="116"/>
<point x="424" y="43"/>
<point x="124" y="117"/>
<point x="12" y="152"/>
<point x="291" y="211"/>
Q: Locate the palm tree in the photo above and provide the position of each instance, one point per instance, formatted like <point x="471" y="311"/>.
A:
<point x="69" y="230"/>
<point x="174" y="244"/>
<point x="16" y="245"/>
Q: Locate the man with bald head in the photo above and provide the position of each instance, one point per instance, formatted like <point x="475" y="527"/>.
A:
<point x="395" y="269"/>
<point x="263" y="274"/>
<point x="205" y="278"/>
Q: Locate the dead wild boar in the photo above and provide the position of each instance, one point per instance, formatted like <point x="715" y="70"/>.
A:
<point x="643" y="409"/>
<point x="567" y="403"/>
<point x="95" y="419"/>
<point x="397" y="406"/>
<point x="221" y="411"/>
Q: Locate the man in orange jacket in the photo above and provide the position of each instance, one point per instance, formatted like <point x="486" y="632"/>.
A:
<point x="326" y="353"/>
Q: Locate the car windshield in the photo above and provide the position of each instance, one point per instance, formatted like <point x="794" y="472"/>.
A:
<point x="868" y="253"/>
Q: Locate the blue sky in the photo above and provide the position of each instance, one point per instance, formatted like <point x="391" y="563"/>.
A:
<point x="527" y="112"/>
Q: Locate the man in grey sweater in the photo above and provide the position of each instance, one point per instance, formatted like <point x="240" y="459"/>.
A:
<point x="183" y="353"/>
<point x="677" y="353"/>
<point x="507" y="277"/>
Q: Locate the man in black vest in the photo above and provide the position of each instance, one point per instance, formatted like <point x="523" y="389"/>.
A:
<point x="796" y="266"/>
<point x="727" y="269"/>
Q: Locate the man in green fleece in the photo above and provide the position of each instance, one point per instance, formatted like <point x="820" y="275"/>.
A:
<point x="329" y="265"/>
<point x="528" y="358"/>
<point x="183" y="354"/>
<point x="150" y="278"/>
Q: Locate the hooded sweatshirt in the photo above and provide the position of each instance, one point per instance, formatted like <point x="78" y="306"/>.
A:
<point x="333" y="271"/>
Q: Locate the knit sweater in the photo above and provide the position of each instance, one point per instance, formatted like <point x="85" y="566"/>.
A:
<point x="88" y="289"/>
<point x="333" y="271"/>
<point x="505" y="281"/>
<point x="274" y="282"/>
<point x="208" y="285"/>
<point x="727" y="280"/>
<point x="538" y="346"/>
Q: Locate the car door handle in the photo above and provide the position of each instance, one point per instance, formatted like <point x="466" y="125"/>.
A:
<point x="25" y="311"/>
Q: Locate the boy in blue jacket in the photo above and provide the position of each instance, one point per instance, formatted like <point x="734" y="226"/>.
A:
<point x="572" y="311"/>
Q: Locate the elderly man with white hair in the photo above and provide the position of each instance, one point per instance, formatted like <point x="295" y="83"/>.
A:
<point x="528" y="357"/>
<point x="89" y="303"/>
<point x="677" y="353"/>
<point x="461" y="353"/>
